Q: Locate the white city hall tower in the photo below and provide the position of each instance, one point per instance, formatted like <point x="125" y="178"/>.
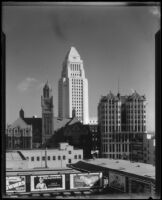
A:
<point x="73" y="88"/>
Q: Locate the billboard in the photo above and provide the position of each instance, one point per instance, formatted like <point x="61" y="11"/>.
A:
<point x="87" y="180"/>
<point x="47" y="182"/>
<point x="15" y="184"/>
<point x="140" y="187"/>
<point x="117" y="181"/>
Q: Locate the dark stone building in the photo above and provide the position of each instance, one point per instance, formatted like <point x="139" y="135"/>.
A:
<point x="71" y="130"/>
<point x="95" y="139"/>
<point x="47" y="113"/>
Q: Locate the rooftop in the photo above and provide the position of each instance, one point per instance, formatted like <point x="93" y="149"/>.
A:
<point x="136" y="168"/>
<point x="15" y="156"/>
<point x="42" y="171"/>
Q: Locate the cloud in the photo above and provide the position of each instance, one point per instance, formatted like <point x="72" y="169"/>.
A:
<point x="26" y="84"/>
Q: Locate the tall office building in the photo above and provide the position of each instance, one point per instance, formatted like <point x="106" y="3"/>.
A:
<point x="122" y="123"/>
<point x="47" y="113"/>
<point x="73" y="88"/>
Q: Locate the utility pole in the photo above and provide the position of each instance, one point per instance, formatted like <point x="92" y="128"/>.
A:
<point x="45" y="152"/>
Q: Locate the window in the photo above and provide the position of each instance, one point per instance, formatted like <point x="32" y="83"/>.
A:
<point x="37" y="158"/>
<point x="80" y="156"/>
<point x="43" y="157"/>
<point x="48" y="157"/>
<point x="126" y="147"/>
<point x="64" y="157"/>
<point x="32" y="158"/>
<point x="75" y="157"/>
<point x="69" y="152"/>
<point x="54" y="158"/>
<point x="59" y="157"/>
<point x="69" y="160"/>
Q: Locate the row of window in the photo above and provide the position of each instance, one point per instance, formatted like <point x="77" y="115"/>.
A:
<point x="25" y="130"/>
<point x="112" y="112"/>
<point x="77" y="92"/>
<point x="75" y="67"/>
<point x="77" y="80"/>
<point x="135" y="105"/>
<point x="118" y="156"/>
<point x="77" y="84"/>
<point x="110" y="128"/>
<point x="136" y="111"/>
<point x="77" y="99"/>
<point x="106" y="106"/>
<point x="110" y="122"/>
<point x="38" y="158"/>
<point x="136" y="120"/>
<point x="72" y="74"/>
<point x="115" y="147"/>
<point x="122" y="137"/>
<point x="136" y="116"/>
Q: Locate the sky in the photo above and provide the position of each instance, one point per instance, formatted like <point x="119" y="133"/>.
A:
<point x="114" y="42"/>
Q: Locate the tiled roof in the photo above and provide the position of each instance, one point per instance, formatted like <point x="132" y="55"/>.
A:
<point x="73" y="121"/>
<point x="19" y="122"/>
<point x="59" y="123"/>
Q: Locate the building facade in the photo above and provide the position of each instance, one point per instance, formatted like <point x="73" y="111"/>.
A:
<point x="73" y="88"/>
<point x="95" y="139"/>
<point x="149" y="149"/>
<point x="24" y="133"/>
<point x="47" y="113"/>
<point x="122" y="123"/>
<point x="122" y="176"/>
<point x="53" y="158"/>
<point x="74" y="132"/>
<point x="19" y="135"/>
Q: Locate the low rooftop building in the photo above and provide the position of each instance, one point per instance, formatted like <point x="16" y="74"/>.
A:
<point x="122" y="175"/>
<point x="49" y="158"/>
<point x="15" y="160"/>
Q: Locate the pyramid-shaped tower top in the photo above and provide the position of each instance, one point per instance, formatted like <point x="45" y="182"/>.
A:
<point x="47" y="86"/>
<point x="72" y="55"/>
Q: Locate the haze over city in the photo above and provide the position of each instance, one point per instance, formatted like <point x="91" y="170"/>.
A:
<point x="116" y="43"/>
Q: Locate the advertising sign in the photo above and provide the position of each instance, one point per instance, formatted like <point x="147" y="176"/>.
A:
<point x="47" y="182"/>
<point x="117" y="181"/>
<point x="15" y="184"/>
<point x="88" y="180"/>
<point x="140" y="187"/>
